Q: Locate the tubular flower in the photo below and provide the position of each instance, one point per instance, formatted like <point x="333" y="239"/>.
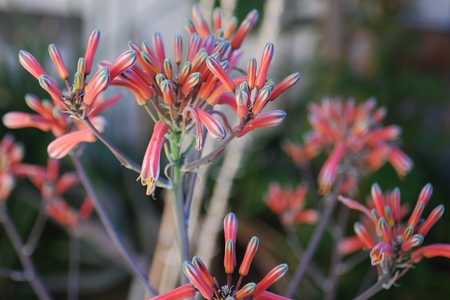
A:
<point x="150" y="164"/>
<point x="288" y="204"/>
<point x="206" y="284"/>
<point x="253" y="92"/>
<point x="77" y="98"/>
<point x="53" y="185"/>
<point x="394" y="241"/>
<point x="48" y="117"/>
<point x="351" y="133"/>
<point x="80" y="99"/>
<point x="11" y="155"/>
<point x="187" y="88"/>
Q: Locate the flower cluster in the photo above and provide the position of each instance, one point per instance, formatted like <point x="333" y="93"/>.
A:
<point x="353" y="135"/>
<point x="53" y="185"/>
<point x="48" y="180"/>
<point x="289" y="204"/>
<point x="11" y="155"/>
<point x="76" y="104"/>
<point x="48" y="117"/>
<point x="394" y="243"/>
<point x="205" y="283"/>
<point x="182" y="93"/>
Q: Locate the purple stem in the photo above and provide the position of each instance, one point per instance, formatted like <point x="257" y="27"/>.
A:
<point x="29" y="269"/>
<point x="113" y="235"/>
<point x="330" y="204"/>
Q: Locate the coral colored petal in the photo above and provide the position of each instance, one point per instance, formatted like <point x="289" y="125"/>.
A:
<point x="61" y="146"/>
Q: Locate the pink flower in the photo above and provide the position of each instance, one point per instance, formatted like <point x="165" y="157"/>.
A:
<point x="58" y="61"/>
<point x="69" y="132"/>
<point x="11" y="155"/>
<point x="125" y="61"/>
<point x="203" y="79"/>
<point x="186" y="291"/>
<point x="53" y="186"/>
<point x="206" y="284"/>
<point x="330" y="168"/>
<point x="394" y="243"/>
<point x="230" y="30"/>
<point x="289" y="204"/>
<point x="29" y="63"/>
<point x="348" y="131"/>
<point x="435" y="250"/>
<point x="77" y="99"/>
<point x="253" y="93"/>
<point x="151" y="163"/>
<point x="91" y="49"/>
<point x="62" y="145"/>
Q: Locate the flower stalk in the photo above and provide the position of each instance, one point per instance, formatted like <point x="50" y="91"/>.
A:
<point x="174" y="138"/>
<point x="330" y="204"/>
<point x="109" y="227"/>
<point x="30" y="272"/>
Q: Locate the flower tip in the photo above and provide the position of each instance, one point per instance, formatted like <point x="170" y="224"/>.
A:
<point x="58" y="61"/>
<point x="32" y="101"/>
<point x="273" y="276"/>
<point x="246" y="291"/>
<point x="269" y="48"/>
<point x="253" y="16"/>
<point x="30" y="63"/>
<point x="230" y="226"/>
<point x="283" y="268"/>
<point x="427" y="190"/>
<point x="91" y="49"/>
<point x="95" y="34"/>
<point x="125" y="61"/>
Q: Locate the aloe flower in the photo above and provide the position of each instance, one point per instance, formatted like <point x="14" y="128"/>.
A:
<point x="11" y="155"/>
<point x="186" y="89"/>
<point x="151" y="163"/>
<point x="395" y="242"/>
<point x="353" y="136"/>
<point x="53" y="186"/>
<point x="253" y="93"/>
<point x="68" y="132"/>
<point x="75" y="102"/>
<point x="289" y="204"/>
<point x="203" y="282"/>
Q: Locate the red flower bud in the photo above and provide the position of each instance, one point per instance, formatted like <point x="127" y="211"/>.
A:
<point x="186" y="291"/>
<point x="29" y="63"/>
<point x="249" y="255"/>
<point x="215" y="67"/>
<point x="58" y="61"/>
<point x="273" y="276"/>
<point x="150" y="164"/>
<point x="432" y="219"/>
<point x="284" y="85"/>
<point x="263" y="71"/>
<point x="91" y="49"/>
<point x="230" y="227"/>
<point x="125" y="60"/>
<point x="96" y="85"/>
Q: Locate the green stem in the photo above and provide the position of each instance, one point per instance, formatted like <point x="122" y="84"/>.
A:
<point x="177" y="178"/>
<point x="179" y="213"/>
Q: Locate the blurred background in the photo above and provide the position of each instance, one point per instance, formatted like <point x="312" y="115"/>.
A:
<point x="396" y="51"/>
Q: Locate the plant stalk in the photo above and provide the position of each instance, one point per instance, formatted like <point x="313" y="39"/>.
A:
<point x="107" y="224"/>
<point x="29" y="269"/>
<point x="330" y="204"/>
<point x="179" y="194"/>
